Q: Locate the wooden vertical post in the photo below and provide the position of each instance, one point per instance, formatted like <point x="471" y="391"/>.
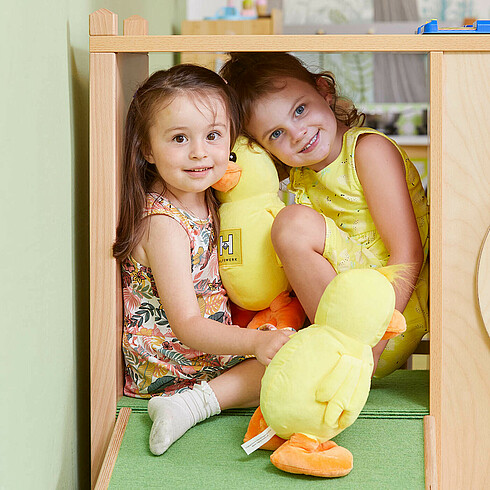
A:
<point x="430" y="465"/>
<point x="103" y="268"/>
<point x="135" y="26"/>
<point x="113" y="80"/>
<point x="436" y="272"/>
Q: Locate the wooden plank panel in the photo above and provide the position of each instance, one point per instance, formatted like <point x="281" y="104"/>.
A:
<point x="436" y="317"/>
<point x="406" y="43"/>
<point x="104" y="288"/>
<point x="110" y="458"/>
<point x="113" y="79"/>
<point x="103" y="271"/>
<point x="430" y="453"/>
<point x="465" y="383"/>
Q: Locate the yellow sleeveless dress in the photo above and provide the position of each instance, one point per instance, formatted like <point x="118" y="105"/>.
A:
<point x="352" y="240"/>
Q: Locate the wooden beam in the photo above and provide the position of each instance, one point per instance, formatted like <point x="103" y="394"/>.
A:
<point x="406" y="43"/>
<point x="436" y="318"/>
<point x="110" y="458"/>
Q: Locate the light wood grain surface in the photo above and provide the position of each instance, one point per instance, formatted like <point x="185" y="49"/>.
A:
<point x="430" y="459"/>
<point x="104" y="286"/>
<point x="465" y="381"/>
<point x="459" y="203"/>
<point x="113" y="79"/>
<point x="330" y="43"/>
<point x="110" y="458"/>
<point x="436" y="316"/>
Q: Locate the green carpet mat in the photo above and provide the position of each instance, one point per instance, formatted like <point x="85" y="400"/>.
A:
<point x="403" y="394"/>
<point x="386" y="441"/>
<point x="388" y="454"/>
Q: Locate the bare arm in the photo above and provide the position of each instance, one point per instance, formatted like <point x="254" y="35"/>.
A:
<point x="381" y="172"/>
<point x="167" y="250"/>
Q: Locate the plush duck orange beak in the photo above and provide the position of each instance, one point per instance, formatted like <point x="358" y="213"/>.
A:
<point x="230" y="179"/>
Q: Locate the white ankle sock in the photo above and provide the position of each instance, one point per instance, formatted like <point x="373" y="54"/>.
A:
<point x="173" y="416"/>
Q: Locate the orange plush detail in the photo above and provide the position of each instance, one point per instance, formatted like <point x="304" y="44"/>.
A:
<point x="284" y="312"/>
<point x="230" y="179"/>
<point x="256" y="426"/>
<point x="240" y="316"/>
<point x="306" y="456"/>
<point x="397" y="326"/>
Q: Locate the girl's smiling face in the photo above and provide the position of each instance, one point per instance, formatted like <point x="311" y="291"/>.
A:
<point x="297" y="125"/>
<point x="190" y="143"/>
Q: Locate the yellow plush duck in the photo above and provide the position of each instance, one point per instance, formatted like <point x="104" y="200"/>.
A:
<point x="250" y="270"/>
<point x="319" y="381"/>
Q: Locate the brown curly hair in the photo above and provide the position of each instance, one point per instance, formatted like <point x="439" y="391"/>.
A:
<point x="253" y="75"/>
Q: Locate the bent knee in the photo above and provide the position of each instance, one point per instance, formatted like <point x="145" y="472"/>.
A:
<point x="298" y="226"/>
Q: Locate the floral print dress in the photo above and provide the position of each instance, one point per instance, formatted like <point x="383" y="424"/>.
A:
<point x="157" y="362"/>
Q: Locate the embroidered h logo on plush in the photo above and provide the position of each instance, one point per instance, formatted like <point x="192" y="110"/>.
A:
<point x="226" y="245"/>
<point x="230" y="247"/>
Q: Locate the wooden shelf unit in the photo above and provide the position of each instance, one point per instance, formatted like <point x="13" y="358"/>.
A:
<point x="459" y="206"/>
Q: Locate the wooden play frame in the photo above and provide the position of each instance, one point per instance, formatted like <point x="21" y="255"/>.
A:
<point x="457" y="429"/>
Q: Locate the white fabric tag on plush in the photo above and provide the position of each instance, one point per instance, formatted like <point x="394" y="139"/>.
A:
<point x="253" y="444"/>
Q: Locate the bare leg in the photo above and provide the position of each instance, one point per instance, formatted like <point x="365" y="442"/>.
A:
<point x="173" y="416"/>
<point x="239" y="387"/>
<point x="298" y="236"/>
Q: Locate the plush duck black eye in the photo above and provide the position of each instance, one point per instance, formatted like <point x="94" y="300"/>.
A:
<point x="232" y="157"/>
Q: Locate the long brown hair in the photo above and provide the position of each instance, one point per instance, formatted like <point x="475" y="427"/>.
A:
<point x="139" y="176"/>
<point x="254" y="75"/>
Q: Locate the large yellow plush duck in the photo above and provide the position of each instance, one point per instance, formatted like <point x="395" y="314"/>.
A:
<point x="250" y="270"/>
<point x="319" y="381"/>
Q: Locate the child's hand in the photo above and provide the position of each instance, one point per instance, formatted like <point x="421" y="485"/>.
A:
<point x="268" y="343"/>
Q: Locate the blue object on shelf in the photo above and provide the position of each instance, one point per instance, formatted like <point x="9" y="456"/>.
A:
<point x="478" y="27"/>
<point x="229" y="13"/>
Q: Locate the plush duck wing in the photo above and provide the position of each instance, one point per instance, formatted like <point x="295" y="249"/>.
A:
<point x="344" y="391"/>
<point x="346" y="388"/>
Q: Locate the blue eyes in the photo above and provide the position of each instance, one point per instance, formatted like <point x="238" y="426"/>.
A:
<point x="278" y="132"/>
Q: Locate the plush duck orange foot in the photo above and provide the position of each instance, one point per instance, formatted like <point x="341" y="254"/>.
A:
<point x="306" y="456"/>
<point x="256" y="426"/>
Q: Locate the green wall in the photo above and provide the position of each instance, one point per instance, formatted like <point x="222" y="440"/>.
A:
<point x="44" y="393"/>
